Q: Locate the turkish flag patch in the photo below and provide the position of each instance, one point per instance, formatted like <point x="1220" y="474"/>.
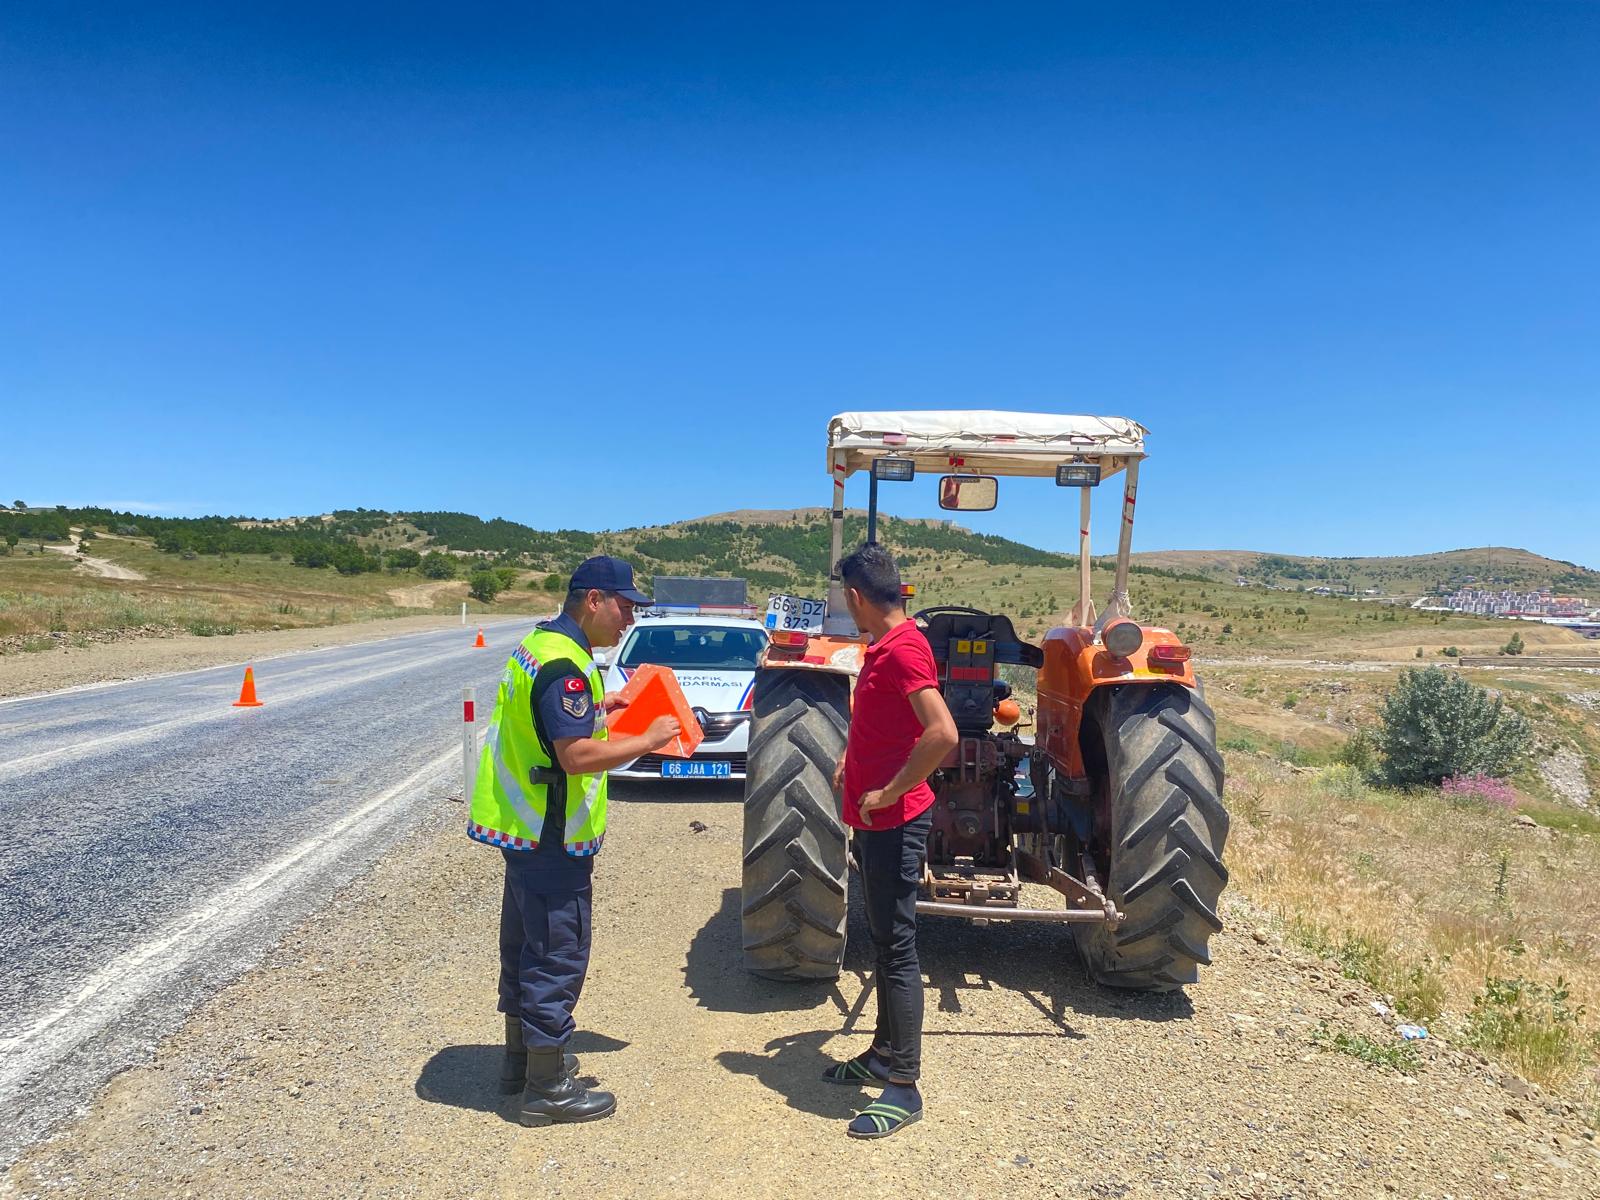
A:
<point x="574" y="684"/>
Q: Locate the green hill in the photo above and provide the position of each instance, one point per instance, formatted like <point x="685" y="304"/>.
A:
<point x="1401" y="575"/>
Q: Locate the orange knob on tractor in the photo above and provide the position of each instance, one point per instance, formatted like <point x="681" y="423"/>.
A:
<point x="1008" y="712"/>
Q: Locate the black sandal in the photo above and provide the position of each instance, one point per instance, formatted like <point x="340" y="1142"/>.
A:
<point x="859" y="1070"/>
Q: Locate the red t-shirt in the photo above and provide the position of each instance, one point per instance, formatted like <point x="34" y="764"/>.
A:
<point x="884" y="727"/>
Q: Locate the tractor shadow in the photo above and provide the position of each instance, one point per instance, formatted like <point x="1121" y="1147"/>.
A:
<point x="468" y="1076"/>
<point x="961" y="964"/>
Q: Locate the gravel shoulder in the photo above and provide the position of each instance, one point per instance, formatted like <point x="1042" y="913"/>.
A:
<point x="359" y="1059"/>
<point x="26" y="674"/>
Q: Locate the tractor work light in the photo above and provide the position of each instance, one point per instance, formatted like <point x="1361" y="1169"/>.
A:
<point x="1122" y="638"/>
<point x="894" y="470"/>
<point x="1167" y="653"/>
<point x="1078" y="475"/>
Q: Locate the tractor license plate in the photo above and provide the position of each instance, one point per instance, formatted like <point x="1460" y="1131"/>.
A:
<point x="792" y="612"/>
<point x="689" y="769"/>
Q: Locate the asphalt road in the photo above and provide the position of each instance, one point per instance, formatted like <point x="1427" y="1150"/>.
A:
<point x="157" y="841"/>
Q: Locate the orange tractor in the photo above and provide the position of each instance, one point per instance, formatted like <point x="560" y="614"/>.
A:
<point x="1115" y="802"/>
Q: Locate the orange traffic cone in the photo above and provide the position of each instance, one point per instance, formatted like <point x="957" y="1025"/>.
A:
<point x="247" y="694"/>
<point x="480" y="644"/>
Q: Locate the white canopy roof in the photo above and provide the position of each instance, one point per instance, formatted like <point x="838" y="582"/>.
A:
<point x="986" y="441"/>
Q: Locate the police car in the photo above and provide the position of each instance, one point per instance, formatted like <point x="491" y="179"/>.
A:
<point x="714" y="659"/>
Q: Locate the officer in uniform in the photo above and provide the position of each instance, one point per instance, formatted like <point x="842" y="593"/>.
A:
<point x="541" y="799"/>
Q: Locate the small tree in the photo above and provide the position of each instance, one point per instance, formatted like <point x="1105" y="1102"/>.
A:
<point x="483" y="585"/>
<point x="438" y="566"/>
<point x="19" y="505"/>
<point x="403" y="559"/>
<point x="1434" y="724"/>
<point x="553" y="583"/>
<point x="506" y="575"/>
<point x="1514" y="646"/>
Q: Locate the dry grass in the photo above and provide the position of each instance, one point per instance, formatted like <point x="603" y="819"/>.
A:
<point x="42" y="594"/>
<point x="1432" y="904"/>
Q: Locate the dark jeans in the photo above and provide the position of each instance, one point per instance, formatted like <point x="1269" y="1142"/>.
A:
<point x="544" y="953"/>
<point x="891" y="871"/>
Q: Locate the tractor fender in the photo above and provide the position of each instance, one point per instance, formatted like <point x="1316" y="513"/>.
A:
<point x="822" y="652"/>
<point x="1075" y="666"/>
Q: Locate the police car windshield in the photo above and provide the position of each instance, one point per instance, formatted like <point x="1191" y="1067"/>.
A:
<point x="694" y="647"/>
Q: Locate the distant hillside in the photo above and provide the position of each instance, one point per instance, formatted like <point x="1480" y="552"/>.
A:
<point x="213" y="575"/>
<point x="773" y="549"/>
<point x="1410" y="575"/>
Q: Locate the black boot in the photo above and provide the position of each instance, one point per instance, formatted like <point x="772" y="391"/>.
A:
<point x="552" y="1095"/>
<point x="514" y="1067"/>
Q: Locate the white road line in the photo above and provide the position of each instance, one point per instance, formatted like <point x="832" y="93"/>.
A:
<point x="30" y="762"/>
<point x="127" y="980"/>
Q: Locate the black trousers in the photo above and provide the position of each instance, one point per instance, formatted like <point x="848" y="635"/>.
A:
<point x="891" y="862"/>
<point x="544" y="953"/>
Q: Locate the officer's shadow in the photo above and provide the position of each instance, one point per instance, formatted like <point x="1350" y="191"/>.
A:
<point x="469" y="1076"/>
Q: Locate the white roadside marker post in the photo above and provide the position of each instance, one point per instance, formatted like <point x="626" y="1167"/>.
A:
<point x="463" y="612"/>
<point x="469" y="742"/>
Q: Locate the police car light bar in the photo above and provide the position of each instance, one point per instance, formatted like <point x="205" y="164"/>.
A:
<point x="743" y="611"/>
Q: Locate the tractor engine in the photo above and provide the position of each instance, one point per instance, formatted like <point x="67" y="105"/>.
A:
<point x="980" y="801"/>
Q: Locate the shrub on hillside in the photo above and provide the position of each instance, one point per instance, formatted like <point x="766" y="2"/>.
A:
<point x="1360" y="753"/>
<point x="403" y="559"/>
<point x="483" y="585"/>
<point x="438" y="566"/>
<point x="350" y="559"/>
<point x="506" y="575"/>
<point x="1514" y="646"/>
<point x="305" y="554"/>
<point x="1434" y="724"/>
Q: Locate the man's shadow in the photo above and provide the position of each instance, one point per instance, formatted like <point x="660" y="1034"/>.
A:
<point x="469" y="1076"/>
<point x="960" y="961"/>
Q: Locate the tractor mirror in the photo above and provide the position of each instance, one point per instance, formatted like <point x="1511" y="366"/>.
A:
<point x="1079" y="474"/>
<point x="968" y="493"/>
<point x="894" y="470"/>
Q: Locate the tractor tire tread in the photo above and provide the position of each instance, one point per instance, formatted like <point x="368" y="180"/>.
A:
<point x="793" y="892"/>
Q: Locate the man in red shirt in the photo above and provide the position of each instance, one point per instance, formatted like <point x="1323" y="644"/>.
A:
<point x="900" y="731"/>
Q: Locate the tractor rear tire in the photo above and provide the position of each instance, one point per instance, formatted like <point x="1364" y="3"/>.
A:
<point x="794" y="894"/>
<point x="1167" y="827"/>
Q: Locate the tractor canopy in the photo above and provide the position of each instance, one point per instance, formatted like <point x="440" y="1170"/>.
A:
<point x="988" y="442"/>
<point x="984" y="441"/>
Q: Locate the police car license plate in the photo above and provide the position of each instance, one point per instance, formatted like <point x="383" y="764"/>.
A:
<point x="687" y="768"/>
<point x="793" y="612"/>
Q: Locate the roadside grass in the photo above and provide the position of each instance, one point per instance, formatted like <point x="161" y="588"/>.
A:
<point x="1400" y="1056"/>
<point x="1487" y="931"/>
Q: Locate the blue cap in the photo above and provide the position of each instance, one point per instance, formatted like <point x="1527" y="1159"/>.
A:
<point x="606" y="574"/>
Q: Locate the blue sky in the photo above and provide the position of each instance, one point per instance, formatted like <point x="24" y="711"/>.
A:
<point x="1343" y="260"/>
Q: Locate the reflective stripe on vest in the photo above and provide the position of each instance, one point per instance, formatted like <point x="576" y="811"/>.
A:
<point x="508" y="809"/>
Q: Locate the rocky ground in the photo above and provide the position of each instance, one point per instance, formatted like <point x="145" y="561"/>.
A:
<point x="359" y="1060"/>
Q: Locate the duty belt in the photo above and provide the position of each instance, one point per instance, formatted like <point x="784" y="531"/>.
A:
<point x="549" y="776"/>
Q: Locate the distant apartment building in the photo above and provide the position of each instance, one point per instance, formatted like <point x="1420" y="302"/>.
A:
<point x="1509" y="603"/>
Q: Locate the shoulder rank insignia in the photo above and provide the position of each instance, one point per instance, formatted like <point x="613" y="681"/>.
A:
<point x="578" y="706"/>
